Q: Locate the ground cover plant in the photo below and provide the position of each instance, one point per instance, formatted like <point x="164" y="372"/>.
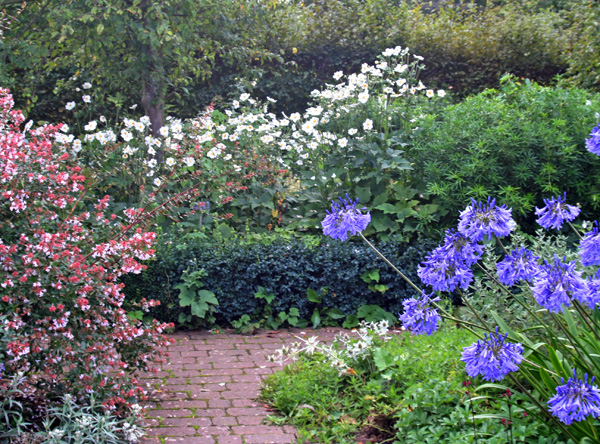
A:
<point x="369" y="386"/>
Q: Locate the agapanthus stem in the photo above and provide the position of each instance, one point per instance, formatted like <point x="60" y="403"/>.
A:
<point x="473" y="416"/>
<point x="390" y="264"/>
<point x="587" y="318"/>
<point x="575" y="347"/>
<point x="509" y="417"/>
<point x="479" y="318"/>
<point x="533" y="399"/>
<point x="575" y="230"/>
<point x="502" y="246"/>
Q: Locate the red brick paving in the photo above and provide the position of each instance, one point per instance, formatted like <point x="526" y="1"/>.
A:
<point x="206" y="391"/>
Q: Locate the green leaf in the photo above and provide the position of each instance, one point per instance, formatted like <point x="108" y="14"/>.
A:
<point x="138" y="314"/>
<point x="351" y="321"/>
<point x="383" y="359"/>
<point x="316" y="318"/>
<point x="199" y="308"/>
<point x="333" y="313"/>
<point x="370" y="275"/>
<point x="556" y="364"/>
<point x="186" y="297"/>
<point x="363" y="194"/>
<point x="208" y="297"/>
<point x="547" y="380"/>
<point x="387" y="208"/>
<point x="382" y="222"/>
<point x="313" y="296"/>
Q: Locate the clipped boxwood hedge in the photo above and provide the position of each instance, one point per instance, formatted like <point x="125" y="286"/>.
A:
<point x="286" y="267"/>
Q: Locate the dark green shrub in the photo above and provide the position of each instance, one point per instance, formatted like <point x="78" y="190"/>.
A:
<point x="584" y="58"/>
<point x="520" y="144"/>
<point x="470" y="48"/>
<point x="285" y="267"/>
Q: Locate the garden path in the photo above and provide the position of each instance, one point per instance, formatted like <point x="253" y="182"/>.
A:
<point x="205" y="392"/>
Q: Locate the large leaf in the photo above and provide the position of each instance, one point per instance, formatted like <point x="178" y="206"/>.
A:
<point x="208" y="297"/>
<point x="186" y="297"/>
<point x="199" y="308"/>
<point x="333" y="313"/>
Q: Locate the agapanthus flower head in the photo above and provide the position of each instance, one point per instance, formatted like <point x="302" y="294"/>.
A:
<point x="444" y="272"/>
<point x="459" y="247"/>
<point x="591" y="297"/>
<point x="556" y="212"/>
<point x="344" y="218"/>
<point x="1" y="369"/>
<point x="556" y="284"/>
<point x="593" y="142"/>
<point x="518" y="265"/>
<point x="480" y="219"/>
<point x="589" y="248"/>
<point x="576" y="400"/>
<point x="492" y="357"/>
<point x="419" y="316"/>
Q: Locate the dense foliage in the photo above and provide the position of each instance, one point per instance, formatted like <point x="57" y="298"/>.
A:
<point x="285" y="49"/>
<point x="235" y="269"/>
<point x="520" y="143"/>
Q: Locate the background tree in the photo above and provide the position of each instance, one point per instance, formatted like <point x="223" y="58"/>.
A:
<point x="150" y="48"/>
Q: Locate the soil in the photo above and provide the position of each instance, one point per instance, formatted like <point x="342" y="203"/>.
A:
<point x="377" y="429"/>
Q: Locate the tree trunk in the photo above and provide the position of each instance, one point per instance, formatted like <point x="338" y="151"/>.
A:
<point x="153" y="103"/>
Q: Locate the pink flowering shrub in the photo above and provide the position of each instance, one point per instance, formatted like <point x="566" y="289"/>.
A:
<point x="61" y="255"/>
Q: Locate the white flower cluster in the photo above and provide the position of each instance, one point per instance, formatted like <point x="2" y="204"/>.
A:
<point x="248" y="125"/>
<point x="346" y="349"/>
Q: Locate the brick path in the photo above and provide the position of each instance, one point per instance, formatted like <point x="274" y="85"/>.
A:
<point x="205" y="393"/>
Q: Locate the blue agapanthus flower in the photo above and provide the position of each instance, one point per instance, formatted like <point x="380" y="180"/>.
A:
<point x="576" y="400"/>
<point x="556" y="212"/>
<point x="493" y="357"/>
<point x="419" y="316"/>
<point x="589" y="248"/>
<point x="344" y="218"/>
<point x="1" y="369"/>
<point x="518" y="265"/>
<point x="557" y="284"/>
<point x="479" y="220"/>
<point x="459" y="247"/>
<point x="592" y="295"/>
<point x="444" y="272"/>
<point x="593" y="143"/>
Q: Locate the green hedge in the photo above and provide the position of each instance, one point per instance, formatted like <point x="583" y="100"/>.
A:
<point x="286" y="267"/>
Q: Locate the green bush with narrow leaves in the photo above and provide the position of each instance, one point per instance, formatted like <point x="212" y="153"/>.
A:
<point x="521" y="143"/>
